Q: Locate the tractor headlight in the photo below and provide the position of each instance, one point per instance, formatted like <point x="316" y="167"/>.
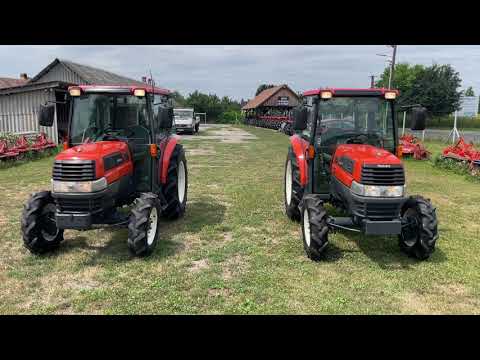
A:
<point x="79" y="186"/>
<point x="378" y="191"/>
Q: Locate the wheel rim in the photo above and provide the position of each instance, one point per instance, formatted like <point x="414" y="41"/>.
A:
<point x="49" y="228"/>
<point x="288" y="182"/>
<point x="306" y="227"/>
<point x="181" y="181"/>
<point x="410" y="232"/>
<point x="152" y="226"/>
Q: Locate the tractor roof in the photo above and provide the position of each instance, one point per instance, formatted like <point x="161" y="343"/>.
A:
<point x="121" y="88"/>
<point x="351" y="92"/>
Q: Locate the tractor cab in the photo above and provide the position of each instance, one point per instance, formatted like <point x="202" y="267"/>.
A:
<point x="346" y="152"/>
<point x="120" y="151"/>
<point x="347" y="118"/>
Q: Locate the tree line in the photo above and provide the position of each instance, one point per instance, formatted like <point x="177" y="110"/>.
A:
<point x="217" y="109"/>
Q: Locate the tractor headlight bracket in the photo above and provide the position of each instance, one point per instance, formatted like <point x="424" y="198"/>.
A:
<point x="378" y="190"/>
<point x="79" y="186"/>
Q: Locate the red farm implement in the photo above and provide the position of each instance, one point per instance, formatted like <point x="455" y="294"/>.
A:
<point x="42" y="143"/>
<point x="14" y="147"/>
<point x="463" y="151"/>
<point x="412" y="146"/>
<point x="275" y="122"/>
<point x="7" y="153"/>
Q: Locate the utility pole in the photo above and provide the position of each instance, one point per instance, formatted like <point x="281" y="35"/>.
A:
<point x="392" y="66"/>
<point x="372" y="82"/>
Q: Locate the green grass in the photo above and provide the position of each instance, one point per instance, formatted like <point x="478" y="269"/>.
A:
<point x="236" y="252"/>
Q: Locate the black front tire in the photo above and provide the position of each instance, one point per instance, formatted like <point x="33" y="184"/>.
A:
<point x="314" y="226"/>
<point x="141" y="224"/>
<point x="39" y="230"/>
<point x="296" y="190"/>
<point x="197" y="128"/>
<point x="175" y="207"/>
<point x="419" y="238"/>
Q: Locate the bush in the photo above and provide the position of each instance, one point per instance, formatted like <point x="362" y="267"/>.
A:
<point x="231" y="117"/>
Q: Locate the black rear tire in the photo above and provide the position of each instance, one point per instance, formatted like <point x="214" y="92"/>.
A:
<point x="419" y="239"/>
<point x="39" y="230"/>
<point x="175" y="207"/>
<point x="296" y="193"/>
<point x="141" y="223"/>
<point x="314" y="226"/>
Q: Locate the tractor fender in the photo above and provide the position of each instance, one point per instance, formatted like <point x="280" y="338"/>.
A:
<point x="299" y="147"/>
<point x="167" y="147"/>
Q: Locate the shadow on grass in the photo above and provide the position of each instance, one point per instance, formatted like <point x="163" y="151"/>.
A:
<point x="332" y="253"/>
<point x="385" y="251"/>
<point x="199" y="214"/>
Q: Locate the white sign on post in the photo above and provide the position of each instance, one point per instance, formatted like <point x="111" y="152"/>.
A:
<point x="469" y="106"/>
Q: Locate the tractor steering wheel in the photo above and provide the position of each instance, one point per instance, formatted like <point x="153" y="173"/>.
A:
<point x="106" y="137"/>
<point x="357" y="139"/>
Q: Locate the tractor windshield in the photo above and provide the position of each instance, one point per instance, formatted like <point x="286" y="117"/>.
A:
<point x="96" y="115"/>
<point x="356" y="120"/>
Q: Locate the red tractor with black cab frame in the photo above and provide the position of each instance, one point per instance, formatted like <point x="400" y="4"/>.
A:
<point x="346" y="152"/>
<point x="121" y="167"/>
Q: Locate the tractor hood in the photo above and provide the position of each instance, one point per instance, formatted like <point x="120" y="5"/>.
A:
<point x="106" y="154"/>
<point x="367" y="154"/>
<point x="350" y="158"/>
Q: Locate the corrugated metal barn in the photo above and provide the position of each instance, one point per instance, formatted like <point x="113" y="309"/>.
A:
<point x="20" y="102"/>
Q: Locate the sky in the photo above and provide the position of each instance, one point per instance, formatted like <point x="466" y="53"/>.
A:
<point x="237" y="71"/>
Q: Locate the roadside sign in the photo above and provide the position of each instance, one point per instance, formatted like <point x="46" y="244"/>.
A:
<point x="469" y="106"/>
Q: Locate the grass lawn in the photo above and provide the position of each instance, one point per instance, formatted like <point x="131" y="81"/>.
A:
<point x="236" y="252"/>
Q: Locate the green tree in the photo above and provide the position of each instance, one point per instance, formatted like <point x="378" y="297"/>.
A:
<point x="263" y="87"/>
<point x="211" y="104"/>
<point x="179" y="100"/>
<point x="404" y="77"/>
<point x="469" y="92"/>
<point x="437" y="88"/>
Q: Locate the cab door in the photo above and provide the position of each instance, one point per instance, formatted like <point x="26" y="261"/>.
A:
<point x="132" y="114"/>
<point x="318" y="167"/>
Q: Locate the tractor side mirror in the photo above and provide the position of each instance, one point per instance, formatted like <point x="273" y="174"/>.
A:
<point x="419" y="118"/>
<point x="165" y="118"/>
<point x="300" y="115"/>
<point x="46" y="115"/>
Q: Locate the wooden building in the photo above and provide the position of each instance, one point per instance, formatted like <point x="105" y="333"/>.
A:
<point x="271" y="108"/>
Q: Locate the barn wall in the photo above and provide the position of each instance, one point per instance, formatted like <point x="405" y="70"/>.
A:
<point x="292" y="98"/>
<point x="60" y="73"/>
<point x="18" y="112"/>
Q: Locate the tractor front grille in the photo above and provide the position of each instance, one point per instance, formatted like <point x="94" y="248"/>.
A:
<point x="79" y="205"/>
<point x="73" y="170"/>
<point x="380" y="175"/>
<point x="377" y="211"/>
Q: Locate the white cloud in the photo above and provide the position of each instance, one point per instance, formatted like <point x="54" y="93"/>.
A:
<point x="236" y="71"/>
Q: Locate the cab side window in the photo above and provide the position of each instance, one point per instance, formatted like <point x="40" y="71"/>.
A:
<point x="156" y="108"/>
<point x="307" y="133"/>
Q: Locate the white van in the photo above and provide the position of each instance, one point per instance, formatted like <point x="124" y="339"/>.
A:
<point x="185" y="120"/>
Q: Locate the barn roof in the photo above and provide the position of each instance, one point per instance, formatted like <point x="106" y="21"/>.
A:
<point x="264" y="96"/>
<point x="89" y="74"/>
<point x="9" y="82"/>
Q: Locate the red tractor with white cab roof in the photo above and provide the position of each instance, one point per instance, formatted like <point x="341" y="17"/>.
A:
<point x="346" y="152"/>
<point x="120" y="154"/>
